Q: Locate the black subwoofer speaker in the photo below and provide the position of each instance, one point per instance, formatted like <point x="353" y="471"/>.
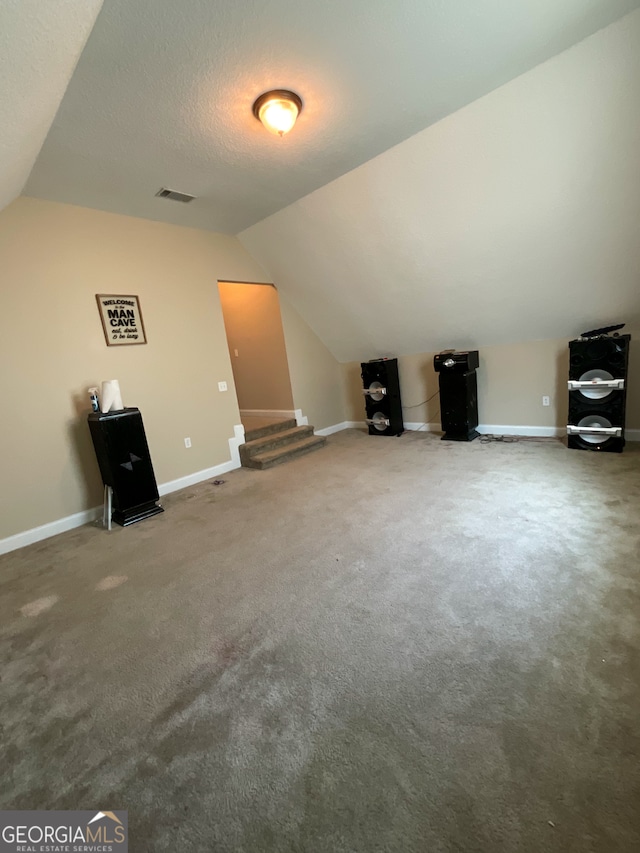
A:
<point x="606" y="353"/>
<point x="597" y="392"/>
<point x="458" y="394"/>
<point x="125" y="464"/>
<point x="381" y="389"/>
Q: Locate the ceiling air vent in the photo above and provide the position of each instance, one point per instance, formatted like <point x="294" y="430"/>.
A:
<point x="174" y="195"/>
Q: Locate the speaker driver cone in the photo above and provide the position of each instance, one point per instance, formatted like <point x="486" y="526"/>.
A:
<point x="376" y="391"/>
<point x="595" y="393"/>
<point x="380" y="421"/>
<point x="593" y="421"/>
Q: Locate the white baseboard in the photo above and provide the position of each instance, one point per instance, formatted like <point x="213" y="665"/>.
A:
<point x="335" y="428"/>
<point x="548" y="432"/>
<point x="418" y="427"/>
<point x="301" y="420"/>
<point x="206" y="473"/>
<point x="269" y="413"/>
<point x="496" y="429"/>
<point x="44" y="531"/>
<point x="536" y="431"/>
<point x="78" y="519"/>
<point x="234" y="444"/>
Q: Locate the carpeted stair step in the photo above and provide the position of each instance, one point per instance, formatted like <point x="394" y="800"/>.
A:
<point x="284" y="452"/>
<point x="273" y="440"/>
<point x="276" y="426"/>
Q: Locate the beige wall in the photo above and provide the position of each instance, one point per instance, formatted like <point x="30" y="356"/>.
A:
<point x="512" y="379"/>
<point x="54" y="259"/>
<point x="316" y="376"/>
<point x="254" y="330"/>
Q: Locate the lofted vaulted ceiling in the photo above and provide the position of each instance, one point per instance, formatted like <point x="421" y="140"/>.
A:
<point x="39" y="46"/>
<point x="516" y="218"/>
<point x="162" y="93"/>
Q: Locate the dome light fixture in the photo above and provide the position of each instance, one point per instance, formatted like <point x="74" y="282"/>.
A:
<point x="278" y="110"/>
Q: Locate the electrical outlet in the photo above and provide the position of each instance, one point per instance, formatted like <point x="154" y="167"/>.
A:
<point x="236" y="352"/>
<point x="546" y="401"/>
<point x="222" y="386"/>
<point x="187" y="442"/>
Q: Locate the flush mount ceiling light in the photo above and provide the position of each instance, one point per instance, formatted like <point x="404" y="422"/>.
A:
<point x="278" y="110"/>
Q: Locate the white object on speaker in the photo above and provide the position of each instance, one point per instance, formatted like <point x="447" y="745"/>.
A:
<point x="117" y="403"/>
<point x="111" y="398"/>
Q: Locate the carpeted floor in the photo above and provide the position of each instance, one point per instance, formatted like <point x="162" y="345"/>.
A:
<point x="393" y="644"/>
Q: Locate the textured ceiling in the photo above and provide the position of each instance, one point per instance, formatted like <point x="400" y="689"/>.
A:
<point x="516" y="218"/>
<point x="39" y="46"/>
<point x="162" y="94"/>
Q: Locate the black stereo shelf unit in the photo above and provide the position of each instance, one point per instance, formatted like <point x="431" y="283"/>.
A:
<point x="458" y="394"/>
<point x="125" y="464"/>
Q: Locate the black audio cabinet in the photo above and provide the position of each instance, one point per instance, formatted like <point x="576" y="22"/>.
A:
<point x="125" y="464"/>
<point x="458" y="394"/>
<point x="381" y="388"/>
<point x="598" y="369"/>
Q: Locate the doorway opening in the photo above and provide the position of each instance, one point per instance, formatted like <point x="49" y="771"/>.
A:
<point x="255" y="338"/>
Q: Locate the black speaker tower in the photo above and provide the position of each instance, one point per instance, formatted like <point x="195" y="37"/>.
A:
<point x="458" y="394"/>
<point x="381" y="389"/>
<point x="125" y="464"/>
<point x="597" y="392"/>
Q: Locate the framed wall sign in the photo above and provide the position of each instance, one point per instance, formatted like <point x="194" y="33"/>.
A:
<point x="121" y="319"/>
